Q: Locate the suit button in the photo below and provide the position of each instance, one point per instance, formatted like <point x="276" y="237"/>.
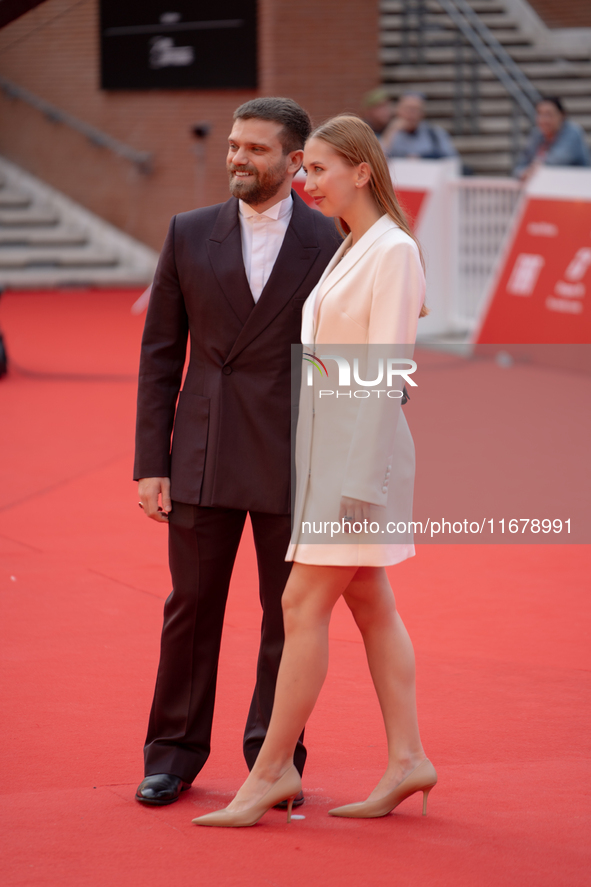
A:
<point x="227" y="371"/>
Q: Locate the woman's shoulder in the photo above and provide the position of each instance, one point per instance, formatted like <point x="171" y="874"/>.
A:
<point x="392" y="236"/>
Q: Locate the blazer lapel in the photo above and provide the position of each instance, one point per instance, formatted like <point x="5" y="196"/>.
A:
<point x="310" y="306"/>
<point x="336" y="270"/>
<point x="298" y="253"/>
<point x="225" y="253"/>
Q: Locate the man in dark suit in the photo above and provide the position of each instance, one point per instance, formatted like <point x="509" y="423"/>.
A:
<point x="234" y="277"/>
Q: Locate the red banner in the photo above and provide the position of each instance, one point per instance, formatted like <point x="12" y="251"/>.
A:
<point x="541" y="292"/>
<point x="411" y="202"/>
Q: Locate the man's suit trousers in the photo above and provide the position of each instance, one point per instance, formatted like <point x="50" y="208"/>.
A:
<point x="202" y="549"/>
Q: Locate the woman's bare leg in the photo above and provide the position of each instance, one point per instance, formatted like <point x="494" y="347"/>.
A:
<point x="391" y="660"/>
<point x="308" y="600"/>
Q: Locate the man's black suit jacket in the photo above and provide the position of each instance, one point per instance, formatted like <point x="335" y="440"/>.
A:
<point x="231" y="440"/>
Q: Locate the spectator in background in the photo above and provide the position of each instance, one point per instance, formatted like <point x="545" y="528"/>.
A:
<point x="378" y="110"/>
<point x="554" y="141"/>
<point x="408" y="135"/>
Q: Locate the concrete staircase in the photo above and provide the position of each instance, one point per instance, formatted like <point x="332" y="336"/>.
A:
<point x="47" y="240"/>
<point x="487" y="151"/>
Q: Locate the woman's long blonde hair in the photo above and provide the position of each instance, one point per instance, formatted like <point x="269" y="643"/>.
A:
<point x="356" y="143"/>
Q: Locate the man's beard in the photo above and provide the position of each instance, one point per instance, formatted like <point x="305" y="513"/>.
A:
<point x="262" y="186"/>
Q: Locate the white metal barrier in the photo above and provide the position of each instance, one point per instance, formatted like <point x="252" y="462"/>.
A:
<point x="423" y="188"/>
<point x="483" y="210"/>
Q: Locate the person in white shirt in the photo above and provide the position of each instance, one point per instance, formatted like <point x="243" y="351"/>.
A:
<point x="233" y="277"/>
<point x="262" y="237"/>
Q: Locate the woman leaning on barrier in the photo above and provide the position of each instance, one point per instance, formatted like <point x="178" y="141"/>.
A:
<point x="554" y="141"/>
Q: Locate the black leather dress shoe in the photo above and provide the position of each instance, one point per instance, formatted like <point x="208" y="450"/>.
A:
<point x="160" y="789"/>
<point x="297" y="802"/>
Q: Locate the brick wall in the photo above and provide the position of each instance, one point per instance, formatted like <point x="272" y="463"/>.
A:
<point x="558" y="14"/>
<point x="324" y="54"/>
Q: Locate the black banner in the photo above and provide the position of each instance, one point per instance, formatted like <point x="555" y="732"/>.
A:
<point x="204" y="44"/>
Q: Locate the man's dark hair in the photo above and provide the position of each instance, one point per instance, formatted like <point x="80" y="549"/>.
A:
<point x="296" y="123"/>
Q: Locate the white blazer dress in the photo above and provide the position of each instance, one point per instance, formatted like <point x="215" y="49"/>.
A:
<point x="370" y="294"/>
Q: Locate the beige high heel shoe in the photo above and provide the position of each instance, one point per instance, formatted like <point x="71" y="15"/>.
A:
<point x="421" y="779"/>
<point x="286" y="788"/>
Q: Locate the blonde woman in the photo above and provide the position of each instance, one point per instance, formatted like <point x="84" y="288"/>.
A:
<point x="371" y="292"/>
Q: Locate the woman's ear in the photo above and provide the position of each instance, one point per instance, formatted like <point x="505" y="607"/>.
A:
<point x="363" y="175"/>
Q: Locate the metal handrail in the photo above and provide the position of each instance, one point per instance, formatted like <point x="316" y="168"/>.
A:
<point x="493" y="54"/>
<point x="499" y="51"/>
<point x="141" y="159"/>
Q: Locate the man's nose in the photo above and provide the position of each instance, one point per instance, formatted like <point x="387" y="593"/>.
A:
<point x="239" y="158"/>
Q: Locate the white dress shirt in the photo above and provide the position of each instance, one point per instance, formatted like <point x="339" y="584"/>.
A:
<point x="262" y="236"/>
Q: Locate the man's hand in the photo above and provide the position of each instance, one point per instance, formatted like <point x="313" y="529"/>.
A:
<point x="354" y="511"/>
<point x="386" y="138"/>
<point x="149" y="489"/>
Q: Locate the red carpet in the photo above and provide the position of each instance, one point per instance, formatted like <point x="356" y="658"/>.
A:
<point x="501" y="635"/>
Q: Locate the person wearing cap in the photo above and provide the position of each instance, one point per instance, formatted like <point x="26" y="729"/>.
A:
<point x="408" y="135"/>
<point x="378" y="110"/>
<point x="554" y="141"/>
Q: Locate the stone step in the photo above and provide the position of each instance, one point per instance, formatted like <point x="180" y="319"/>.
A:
<point x="479" y="6"/>
<point x="534" y="72"/>
<point x="578" y="104"/>
<point x="40" y="257"/>
<point x="12" y="198"/>
<point x="498" y="125"/>
<point x="494" y="107"/>
<point x="47" y="240"/>
<point x="447" y="54"/>
<point x="560" y="70"/>
<point x="482" y="144"/>
<point x="496" y="164"/>
<point x="489" y="108"/>
<point x="429" y="73"/>
<point x="444" y="89"/>
<point x="491" y="126"/>
<point x="567" y="87"/>
<point x="56" y="235"/>
<point x="488" y="89"/>
<point x="443" y="37"/>
<point x="440" y="20"/>
<point x="38" y="215"/>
